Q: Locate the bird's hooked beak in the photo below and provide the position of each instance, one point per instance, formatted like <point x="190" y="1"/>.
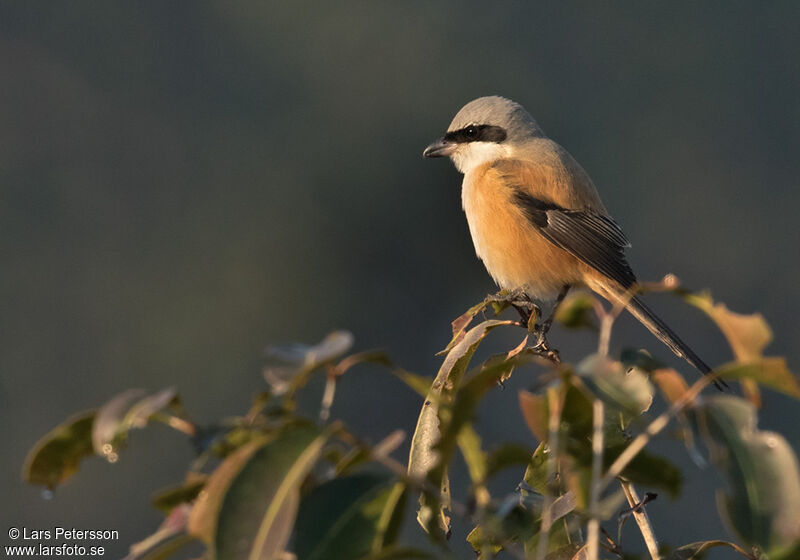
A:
<point x="440" y="148"/>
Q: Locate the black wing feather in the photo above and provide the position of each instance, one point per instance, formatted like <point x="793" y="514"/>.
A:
<point x="593" y="238"/>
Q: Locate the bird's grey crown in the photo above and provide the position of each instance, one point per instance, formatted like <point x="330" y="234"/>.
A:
<point x="497" y="111"/>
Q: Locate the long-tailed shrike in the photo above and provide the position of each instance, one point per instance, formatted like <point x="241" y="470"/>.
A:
<point x="535" y="217"/>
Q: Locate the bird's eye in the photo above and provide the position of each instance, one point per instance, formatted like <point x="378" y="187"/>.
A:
<point x="472" y="132"/>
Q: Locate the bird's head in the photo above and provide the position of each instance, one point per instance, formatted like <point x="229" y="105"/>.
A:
<point x="485" y="129"/>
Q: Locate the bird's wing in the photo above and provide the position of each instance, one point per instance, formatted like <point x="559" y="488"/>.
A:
<point x="589" y="234"/>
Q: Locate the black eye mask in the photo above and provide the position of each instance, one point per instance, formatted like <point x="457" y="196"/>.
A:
<point x="477" y="133"/>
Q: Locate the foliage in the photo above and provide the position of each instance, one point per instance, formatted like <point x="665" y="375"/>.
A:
<point x="272" y="483"/>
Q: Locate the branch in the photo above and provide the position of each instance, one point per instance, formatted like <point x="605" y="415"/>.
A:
<point x="553" y="425"/>
<point x="640" y="515"/>
<point x="593" y="527"/>
<point x="640" y="441"/>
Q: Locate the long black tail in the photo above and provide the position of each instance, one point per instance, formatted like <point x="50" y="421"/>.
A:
<point x="656" y="326"/>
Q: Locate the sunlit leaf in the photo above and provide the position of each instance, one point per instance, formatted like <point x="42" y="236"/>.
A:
<point x="300" y="360"/>
<point x="426" y="454"/>
<point x="248" y="507"/>
<point x="203" y="520"/>
<point x="56" y="456"/>
<point x="460" y="324"/>
<point x="534" y="410"/>
<point x="671" y="383"/>
<point x="369" y="357"/>
<point x="763" y="498"/>
<point x="747" y="335"/>
<point x="108" y="425"/>
<point x="484" y="546"/>
<point x="131" y="409"/>
<point x="769" y="372"/>
<point x="349" y="517"/>
<point x="331" y="347"/>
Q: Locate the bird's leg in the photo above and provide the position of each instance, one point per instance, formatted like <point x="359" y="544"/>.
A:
<point x="520" y="301"/>
<point x="542" y="345"/>
<point x="547" y="323"/>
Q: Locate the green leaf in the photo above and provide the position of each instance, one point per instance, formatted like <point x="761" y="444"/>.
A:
<point x="301" y="360"/>
<point x="576" y="437"/>
<point x="639" y="359"/>
<point x="536" y="472"/>
<point x="56" y="456"/>
<point x="654" y="471"/>
<point x="248" y="508"/>
<point x="428" y="457"/>
<point x="131" y="409"/>
<point x="572" y="551"/>
<point x="402" y="553"/>
<point x="630" y="391"/>
<point x="169" y="498"/>
<point x="697" y="550"/>
<point x="558" y="539"/>
<point x="469" y="442"/>
<point x="483" y="545"/>
<point x="506" y="455"/>
<point x="769" y="372"/>
<point x="763" y="499"/>
<point x="170" y="537"/>
<point x="577" y="312"/>
<point x="349" y="517"/>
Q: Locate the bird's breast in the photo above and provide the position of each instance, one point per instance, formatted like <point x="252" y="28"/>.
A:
<point x="515" y="254"/>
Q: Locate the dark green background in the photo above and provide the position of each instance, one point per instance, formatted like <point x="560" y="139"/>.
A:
<point x="182" y="183"/>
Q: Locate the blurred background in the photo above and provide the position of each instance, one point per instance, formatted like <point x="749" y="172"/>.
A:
<point x="183" y="183"/>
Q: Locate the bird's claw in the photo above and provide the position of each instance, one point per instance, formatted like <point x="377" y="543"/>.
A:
<point x="543" y="348"/>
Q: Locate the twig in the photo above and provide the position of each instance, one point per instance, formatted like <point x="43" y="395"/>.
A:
<point x="607" y="318"/>
<point x="553" y="425"/>
<point x="176" y="423"/>
<point x="327" y="398"/>
<point x="640" y="515"/>
<point x="593" y="528"/>
<point x="640" y="441"/>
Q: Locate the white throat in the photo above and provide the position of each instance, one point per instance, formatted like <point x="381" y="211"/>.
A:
<point x="469" y="156"/>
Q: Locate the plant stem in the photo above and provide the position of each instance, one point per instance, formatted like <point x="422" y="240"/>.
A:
<point x="640" y="441"/>
<point x="593" y="527"/>
<point x="640" y="515"/>
<point x="176" y="423"/>
<point x="553" y="424"/>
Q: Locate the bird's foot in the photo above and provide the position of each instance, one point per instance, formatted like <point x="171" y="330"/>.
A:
<point x="528" y="311"/>
<point x="542" y="346"/>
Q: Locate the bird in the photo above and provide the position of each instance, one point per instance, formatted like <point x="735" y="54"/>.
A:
<point x="536" y="218"/>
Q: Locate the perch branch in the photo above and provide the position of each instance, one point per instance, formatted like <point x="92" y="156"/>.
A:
<point x="593" y="528"/>
<point x="640" y="515"/>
